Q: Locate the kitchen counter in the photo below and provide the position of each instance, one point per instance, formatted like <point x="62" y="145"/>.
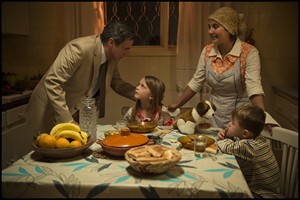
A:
<point x="14" y="100"/>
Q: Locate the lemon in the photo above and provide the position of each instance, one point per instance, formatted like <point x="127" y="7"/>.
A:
<point x="75" y="143"/>
<point x="46" y="141"/>
<point x="62" y="143"/>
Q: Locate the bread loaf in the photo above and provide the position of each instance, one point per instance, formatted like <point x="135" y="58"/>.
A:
<point x="140" y="152"/>
<point x="150" y="153"/>
<point x="155" y="150"/>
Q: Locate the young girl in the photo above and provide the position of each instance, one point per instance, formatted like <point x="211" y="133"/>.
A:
<point x="149" y="95"/>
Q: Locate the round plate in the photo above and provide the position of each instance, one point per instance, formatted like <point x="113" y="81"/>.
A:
<point x="62" y="153"/>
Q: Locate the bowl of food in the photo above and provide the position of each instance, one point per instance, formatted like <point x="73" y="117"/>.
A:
<point x="118" y="144"/>
<point x="141" y="127"/>
<point x="152" y="159"/>
<point x="62" y="153"/>
<point x="187" y="142"/>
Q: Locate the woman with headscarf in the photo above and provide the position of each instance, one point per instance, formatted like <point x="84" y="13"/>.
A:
<point x="229" y="66"/>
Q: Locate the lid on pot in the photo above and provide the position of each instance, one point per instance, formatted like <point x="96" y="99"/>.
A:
<point x="125" y="139"/>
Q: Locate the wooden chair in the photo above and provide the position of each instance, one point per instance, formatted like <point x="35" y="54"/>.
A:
<point x="284" y="143"/>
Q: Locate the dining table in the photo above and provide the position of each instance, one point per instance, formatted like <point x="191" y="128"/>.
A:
<point x="89" y="176"/>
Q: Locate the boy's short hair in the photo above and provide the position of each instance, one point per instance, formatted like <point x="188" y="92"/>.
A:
<point x="251" y="118"/>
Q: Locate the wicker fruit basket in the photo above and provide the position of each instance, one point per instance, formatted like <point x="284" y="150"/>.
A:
<point x="152" y="159"/>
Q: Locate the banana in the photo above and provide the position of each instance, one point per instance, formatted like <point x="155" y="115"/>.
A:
<point x="73" y="135"/>
<point x="64" y="126"/>
<point x="84" y="134"/>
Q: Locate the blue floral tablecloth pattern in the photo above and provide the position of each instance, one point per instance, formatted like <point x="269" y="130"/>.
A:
<point x="216" y="176"/>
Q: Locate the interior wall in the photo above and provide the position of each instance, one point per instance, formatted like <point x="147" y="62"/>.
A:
<point x="276" y="36"/>
<point x="50" y="29"/>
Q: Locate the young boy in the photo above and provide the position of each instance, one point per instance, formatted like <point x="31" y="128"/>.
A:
<point x="253" y="153"/>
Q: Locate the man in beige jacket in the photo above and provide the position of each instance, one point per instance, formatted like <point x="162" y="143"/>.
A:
<point x="74" y="75"/>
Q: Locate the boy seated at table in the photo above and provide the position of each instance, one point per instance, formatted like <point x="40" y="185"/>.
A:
<point x="254" y="155"/>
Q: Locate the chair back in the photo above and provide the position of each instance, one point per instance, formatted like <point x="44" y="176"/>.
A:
<point x="284" y="144"/>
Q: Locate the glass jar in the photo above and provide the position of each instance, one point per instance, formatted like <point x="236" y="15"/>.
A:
<point x="88" y="117"/>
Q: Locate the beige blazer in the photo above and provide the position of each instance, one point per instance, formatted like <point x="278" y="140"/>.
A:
<point x="60" y="91"/>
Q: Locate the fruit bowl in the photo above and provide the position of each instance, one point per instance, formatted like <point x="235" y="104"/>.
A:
<point x="62" y="153"/>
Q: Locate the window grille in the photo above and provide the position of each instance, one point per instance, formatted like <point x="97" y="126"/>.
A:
<point x="146" y="19"/>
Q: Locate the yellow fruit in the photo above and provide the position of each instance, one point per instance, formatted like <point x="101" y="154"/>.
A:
<point x="184" y="139"/>
<point x="186" y="142"/>
<point x="40" y="136"/>
<point x="46" y="141"/>
<point x="62" y="143"/>
<point x="75" y="143"/>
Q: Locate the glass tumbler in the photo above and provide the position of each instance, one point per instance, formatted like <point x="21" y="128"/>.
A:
<point x="200" y="145"/>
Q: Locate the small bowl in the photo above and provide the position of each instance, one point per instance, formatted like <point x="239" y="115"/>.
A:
<point x="62" y="153"/>
<point x="141" y="127"/>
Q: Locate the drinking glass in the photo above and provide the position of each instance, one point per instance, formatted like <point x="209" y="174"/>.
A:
<point x="200" y="145"/>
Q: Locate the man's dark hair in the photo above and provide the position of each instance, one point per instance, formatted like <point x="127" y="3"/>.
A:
<point x="117" y="30"/>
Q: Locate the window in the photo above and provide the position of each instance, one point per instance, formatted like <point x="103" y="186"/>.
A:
<point x="155" y="23"/>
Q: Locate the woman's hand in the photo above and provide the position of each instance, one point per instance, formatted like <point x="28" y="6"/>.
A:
<point x="172" y="107"/>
